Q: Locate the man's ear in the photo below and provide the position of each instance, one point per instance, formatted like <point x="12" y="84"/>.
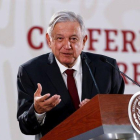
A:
<point x="48" y="40"/>
<point x="84" y="40"/>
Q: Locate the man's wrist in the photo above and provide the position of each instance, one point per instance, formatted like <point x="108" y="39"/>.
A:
<point x="40" y="117"/>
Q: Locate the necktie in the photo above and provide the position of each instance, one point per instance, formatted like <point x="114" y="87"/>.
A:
<point x="72" y="88"/>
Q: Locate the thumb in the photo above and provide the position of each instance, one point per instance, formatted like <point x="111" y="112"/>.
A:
<point x="38" y="91"/>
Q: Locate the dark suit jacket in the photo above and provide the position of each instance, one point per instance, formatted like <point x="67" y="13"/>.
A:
<point x="44" y="70"/>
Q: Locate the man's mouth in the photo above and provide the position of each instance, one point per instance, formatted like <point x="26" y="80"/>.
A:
<point x="68" y="54"/>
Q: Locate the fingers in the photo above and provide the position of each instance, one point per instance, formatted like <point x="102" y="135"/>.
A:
<point x="85" y="101"/>
<point x="38" y="91"/>
<point x="44" y="103"/>
<point x="53" y="101"/>
<point x="44" y="97"/>
<point x="57" y="102"/>
<point x="48" y="104"/>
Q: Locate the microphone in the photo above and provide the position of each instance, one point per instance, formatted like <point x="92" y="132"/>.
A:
<point x="103" y="59"/>
<point x="92" y="75"/>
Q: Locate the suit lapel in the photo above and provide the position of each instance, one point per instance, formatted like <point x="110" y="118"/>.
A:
<point x="88" y="87"/>
<point x="55" y="76"/>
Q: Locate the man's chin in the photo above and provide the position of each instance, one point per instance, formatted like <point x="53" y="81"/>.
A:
<point x="67" y="63"/>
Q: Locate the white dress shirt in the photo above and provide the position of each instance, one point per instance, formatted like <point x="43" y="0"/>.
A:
<point x="77" y="74"/>
<point x="78" y="81"/>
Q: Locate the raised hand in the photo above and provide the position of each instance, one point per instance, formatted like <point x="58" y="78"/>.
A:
<point x="44" y="103"/>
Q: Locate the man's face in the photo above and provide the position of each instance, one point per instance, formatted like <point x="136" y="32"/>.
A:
<point x="67" y="42"/>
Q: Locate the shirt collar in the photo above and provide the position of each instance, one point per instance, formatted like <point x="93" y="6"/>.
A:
<point x="77" y="66"/>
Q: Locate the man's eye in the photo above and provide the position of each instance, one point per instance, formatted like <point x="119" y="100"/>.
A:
<point x="73" y="39"/>
<point x="59" y="38"/>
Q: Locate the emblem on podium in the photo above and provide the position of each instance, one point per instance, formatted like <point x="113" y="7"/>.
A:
<point x="134" y="111"/>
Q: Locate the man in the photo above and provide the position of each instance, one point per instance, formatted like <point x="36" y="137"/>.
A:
<point x="46" y="97"/>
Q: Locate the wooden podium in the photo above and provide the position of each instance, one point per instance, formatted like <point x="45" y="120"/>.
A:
<point x="104" y="117"/>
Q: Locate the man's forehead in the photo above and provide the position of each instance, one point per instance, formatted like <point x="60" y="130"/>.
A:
<point x="66" y="27"/>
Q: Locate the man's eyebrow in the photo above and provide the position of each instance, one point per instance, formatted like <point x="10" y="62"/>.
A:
<point x="74" y="35"/>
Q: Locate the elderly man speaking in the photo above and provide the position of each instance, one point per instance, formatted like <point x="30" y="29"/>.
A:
<point x="53" y="86"/>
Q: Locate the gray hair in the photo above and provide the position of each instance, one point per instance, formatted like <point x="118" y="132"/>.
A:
<point x="64" y="16"/>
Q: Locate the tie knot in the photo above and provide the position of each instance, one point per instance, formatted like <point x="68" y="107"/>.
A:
<point x="69" y="72"/>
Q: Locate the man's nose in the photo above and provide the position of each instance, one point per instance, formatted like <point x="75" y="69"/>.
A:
<point x="67" y="44"/>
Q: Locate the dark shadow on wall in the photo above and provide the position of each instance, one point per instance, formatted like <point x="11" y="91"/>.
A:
<point x="11" y="102"/>
<point x="7" y="32"/>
